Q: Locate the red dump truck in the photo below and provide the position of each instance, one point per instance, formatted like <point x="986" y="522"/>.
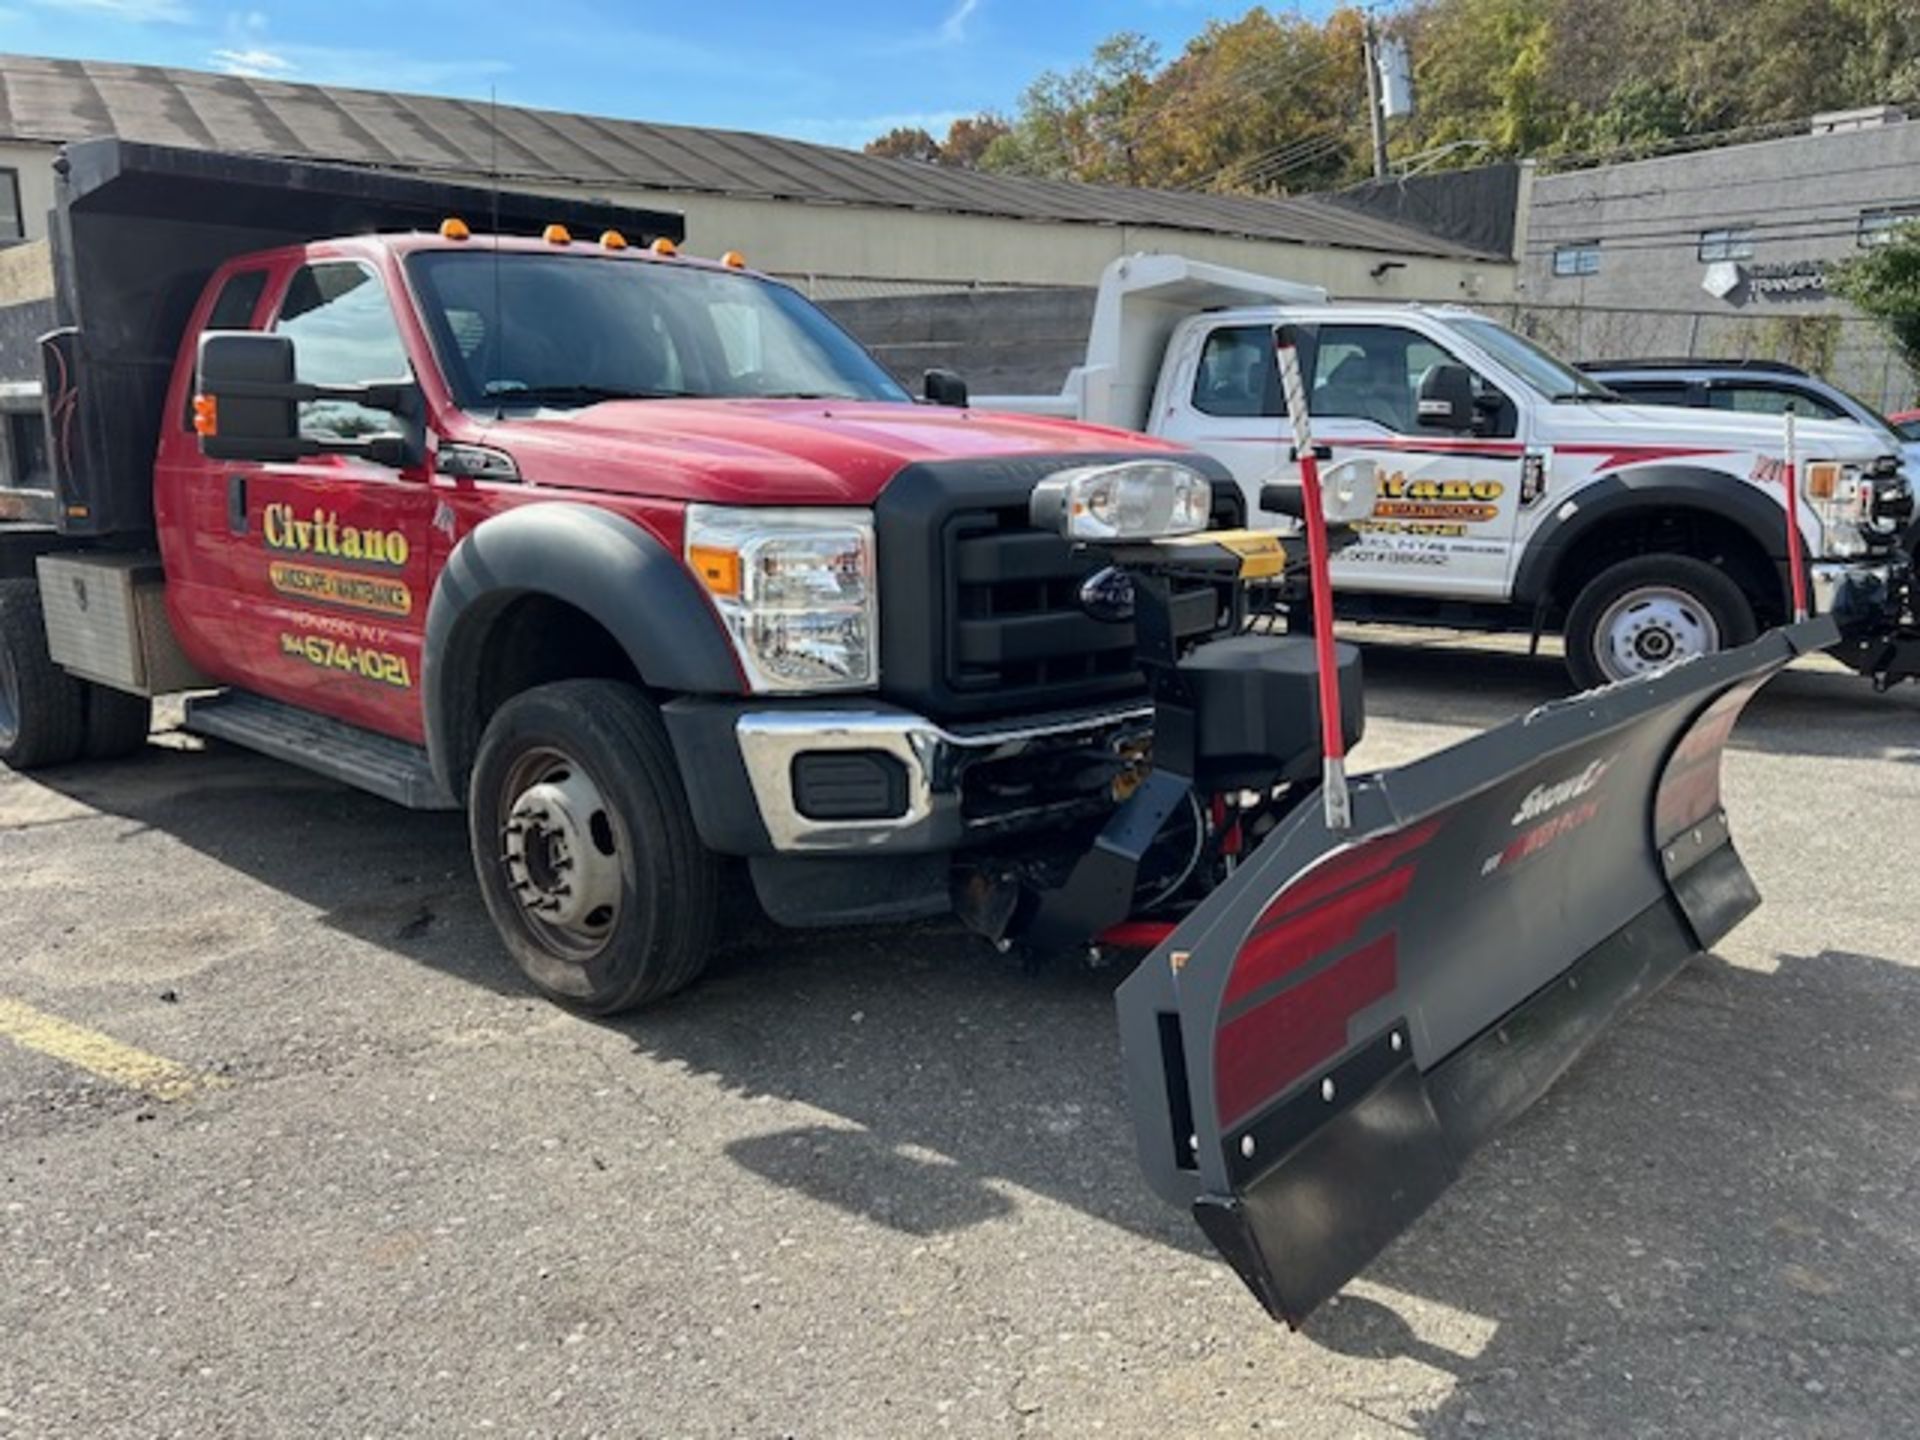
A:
<point x="652" y="570"/>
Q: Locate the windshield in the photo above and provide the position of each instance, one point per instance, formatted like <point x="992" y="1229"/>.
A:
<point x="1546" y="373"/>
<point x="574" y="330"/>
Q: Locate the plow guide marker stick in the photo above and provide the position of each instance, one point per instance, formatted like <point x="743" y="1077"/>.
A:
<point x="1333" y="743"/>
<point x="1796" y="567"/>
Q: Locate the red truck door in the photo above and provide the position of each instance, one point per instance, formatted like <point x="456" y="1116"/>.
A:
<point x="330" y="568"/>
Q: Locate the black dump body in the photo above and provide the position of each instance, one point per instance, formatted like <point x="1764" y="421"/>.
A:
<point x="137" y="230"/>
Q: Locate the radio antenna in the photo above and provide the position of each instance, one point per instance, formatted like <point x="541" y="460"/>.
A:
<point x="499" y="347"/>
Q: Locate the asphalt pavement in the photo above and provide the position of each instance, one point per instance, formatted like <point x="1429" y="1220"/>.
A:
<point x="286" y="1150"/>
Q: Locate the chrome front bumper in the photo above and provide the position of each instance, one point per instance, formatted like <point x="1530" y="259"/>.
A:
<point x="935" y="760"/>
<point x="1827" y="576"/>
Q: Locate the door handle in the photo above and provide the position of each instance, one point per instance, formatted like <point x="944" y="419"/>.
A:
<point x="237" y="504"/>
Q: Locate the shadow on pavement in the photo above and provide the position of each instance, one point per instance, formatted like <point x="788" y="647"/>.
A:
<point x="1733" y="1169"/>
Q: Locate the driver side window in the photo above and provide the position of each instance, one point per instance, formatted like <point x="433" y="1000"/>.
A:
<point x="1373" y="372"/>
<point x="343" y="333"/>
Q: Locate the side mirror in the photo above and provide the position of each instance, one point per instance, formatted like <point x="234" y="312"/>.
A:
<point x="246" y="404"/>
<point x="1446" y="398"/>
<point x="944" y="387"/>
<point x="1348" y="492"/>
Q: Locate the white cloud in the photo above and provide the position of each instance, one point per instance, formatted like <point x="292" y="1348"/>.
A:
<point x="255" y="64"/>
<point x="252" y="52"/>
<point x="140" y="12"/>
<point x="953" y="30"/>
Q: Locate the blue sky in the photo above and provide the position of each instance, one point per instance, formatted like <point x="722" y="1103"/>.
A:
<point x="839" y="71"/>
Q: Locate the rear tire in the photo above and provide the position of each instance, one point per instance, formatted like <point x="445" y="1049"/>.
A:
<point x="585" y="847"/>
<point x="42" y="708"/>
<point x="117" y="723"/>
<point x="1651" y="611"/>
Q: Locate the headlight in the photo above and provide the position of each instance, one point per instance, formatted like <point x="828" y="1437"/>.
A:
<point x="1848" y="501"/>
<point x="796" y="590"/>
<point x="1133" y="500"/>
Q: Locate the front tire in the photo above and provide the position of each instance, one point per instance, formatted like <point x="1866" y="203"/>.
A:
<point x="1652" y="611"/>
<point x="585" y="847"/>
<point x="42" y="708"/>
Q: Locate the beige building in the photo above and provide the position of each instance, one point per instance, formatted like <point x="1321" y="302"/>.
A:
<point x="838" y="223"/>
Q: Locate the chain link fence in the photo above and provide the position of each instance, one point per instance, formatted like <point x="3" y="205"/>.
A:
<point x="1847" y="351"/>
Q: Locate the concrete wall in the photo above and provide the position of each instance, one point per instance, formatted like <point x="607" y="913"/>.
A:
<point x="1802" y="196"/>
<point x="1004" y="342"/>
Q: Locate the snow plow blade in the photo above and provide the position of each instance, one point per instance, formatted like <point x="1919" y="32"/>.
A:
<point x="1314" y="1052"/>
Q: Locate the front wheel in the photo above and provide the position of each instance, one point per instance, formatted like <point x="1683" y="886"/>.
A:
<point x="586" y="850"/>
<point x="1650" y="612"/>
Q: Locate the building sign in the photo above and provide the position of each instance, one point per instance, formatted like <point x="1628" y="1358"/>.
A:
<point x="1788" y="280"/>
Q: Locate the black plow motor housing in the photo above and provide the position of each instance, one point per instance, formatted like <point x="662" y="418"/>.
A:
<point x="1314" y="1052"/>
<point x="1256" y="712"/>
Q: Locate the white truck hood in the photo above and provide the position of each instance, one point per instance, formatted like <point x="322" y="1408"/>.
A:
<point x="1634" y="427"/>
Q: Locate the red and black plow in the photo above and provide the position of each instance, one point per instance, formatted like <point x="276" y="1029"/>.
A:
<point x="1317" y="1048"/>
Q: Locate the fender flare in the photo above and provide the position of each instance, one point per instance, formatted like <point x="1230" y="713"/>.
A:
<point x="1650" y="487"/>
<point x="600" y="563"/>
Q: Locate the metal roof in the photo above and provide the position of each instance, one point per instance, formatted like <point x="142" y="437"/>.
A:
<point x="46" y="99"/>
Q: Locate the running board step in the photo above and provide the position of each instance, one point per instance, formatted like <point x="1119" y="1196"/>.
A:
<point x="389" y="768"/>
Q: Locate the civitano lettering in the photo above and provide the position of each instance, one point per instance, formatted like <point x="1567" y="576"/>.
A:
<point x="321" y="533"/>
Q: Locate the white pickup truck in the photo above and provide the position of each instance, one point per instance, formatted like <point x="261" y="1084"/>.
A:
<point x="1515" y="492"/>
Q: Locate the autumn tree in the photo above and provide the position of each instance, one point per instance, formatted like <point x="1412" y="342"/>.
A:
<point x="969" y="137"/>
<point x="905" y="142"/>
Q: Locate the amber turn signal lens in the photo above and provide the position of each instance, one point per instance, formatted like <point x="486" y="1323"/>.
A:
<point x="206" y="415"/>
<point x="1822" y="481"/>
<point x="719" y="570"/>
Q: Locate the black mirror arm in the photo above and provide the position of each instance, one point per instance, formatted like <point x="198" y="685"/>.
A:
<point x="392" y="396"/>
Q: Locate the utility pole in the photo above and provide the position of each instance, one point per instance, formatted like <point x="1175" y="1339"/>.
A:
<point x="1376" y="111"/>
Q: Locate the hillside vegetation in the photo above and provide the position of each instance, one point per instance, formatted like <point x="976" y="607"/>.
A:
<point x="1274" y="102"/>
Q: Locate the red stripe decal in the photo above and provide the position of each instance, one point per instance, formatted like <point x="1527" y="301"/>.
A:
<point x="1283" y="944"/>
<point x="1266" y="1050"/>
<point x="1360" y="863"/>
<point x="1615" y="456"/>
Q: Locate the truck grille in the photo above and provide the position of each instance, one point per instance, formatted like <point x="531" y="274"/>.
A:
<point x="979" y="612"/>
<point x="1018" y="627"/>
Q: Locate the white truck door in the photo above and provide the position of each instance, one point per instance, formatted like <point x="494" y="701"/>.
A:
<point x="1449" y="501"/>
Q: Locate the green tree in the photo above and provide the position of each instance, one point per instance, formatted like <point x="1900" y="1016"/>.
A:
<point x="1884" y="285"/>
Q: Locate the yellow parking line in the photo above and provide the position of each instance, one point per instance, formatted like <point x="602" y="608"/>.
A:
<point x="95" y="1053"/>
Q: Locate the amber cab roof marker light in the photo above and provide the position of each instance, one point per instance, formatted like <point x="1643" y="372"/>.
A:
<point x="454" y="228"/>
<point x="556" y="235"/>
<point x="664" y="247"/>
<point x="613" y="240"/>
<point x="734" y="260"/>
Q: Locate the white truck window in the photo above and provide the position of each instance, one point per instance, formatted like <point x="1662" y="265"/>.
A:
<point x="1236" y="375"/>
<point x="1373" y="372"/>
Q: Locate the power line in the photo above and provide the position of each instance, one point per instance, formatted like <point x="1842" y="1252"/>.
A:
<point x="1897" y="210"/>
<point x="1287" y="156"/>
<point x="1690" y="242"/>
